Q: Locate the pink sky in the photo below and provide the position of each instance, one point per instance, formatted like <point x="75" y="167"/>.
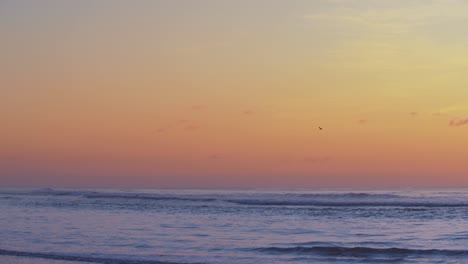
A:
<point x="231" y="94"/>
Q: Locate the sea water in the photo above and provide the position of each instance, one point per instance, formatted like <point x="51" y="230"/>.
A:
<point x="233" y="226"/>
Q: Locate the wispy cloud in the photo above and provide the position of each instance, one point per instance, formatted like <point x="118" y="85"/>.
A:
<point x="248" y="112"/>
<point x="397" y="18"/>
<point x="453" y="109"/>
<point x="362" y="121"/>
<point x="458" y="122"/>
<point x="394" y="34"/>
<point x="178" y="125"/>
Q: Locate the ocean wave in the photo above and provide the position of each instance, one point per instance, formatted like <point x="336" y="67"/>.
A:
<point x="344" y="195"/>
<point x="362" y="251"/>
<point x="333" y="199"/>
<point x="330" y="203"/>
<point x="107" y="195"/>
<point x="80" y="258"/>
<point x="148" y="197"/>
<point x="53" y="192"/>
<point x="45" y="192"/>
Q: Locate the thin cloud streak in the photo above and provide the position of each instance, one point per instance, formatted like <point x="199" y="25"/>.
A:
<point x="217" y="156"/>
<point x="362" y="121"/>
<point x="457" y="123"/>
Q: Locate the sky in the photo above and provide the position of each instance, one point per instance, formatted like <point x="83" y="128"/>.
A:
<point x="230" y="94"/>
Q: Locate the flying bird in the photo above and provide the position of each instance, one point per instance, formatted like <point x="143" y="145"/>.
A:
<point x="320" y="128"/>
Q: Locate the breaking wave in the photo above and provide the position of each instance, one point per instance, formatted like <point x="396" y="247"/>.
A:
<point x="336" y="199"/>
<point x="148" y="197"/>
<point x="79" y="258"/>
<point x="348" y="204"/>
<point x="363" y="251"/>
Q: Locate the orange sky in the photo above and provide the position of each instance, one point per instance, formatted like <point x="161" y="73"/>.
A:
<point x="231" y="93"/>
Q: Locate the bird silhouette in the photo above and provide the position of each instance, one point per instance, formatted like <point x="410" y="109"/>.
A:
<point x="320" y="128"/>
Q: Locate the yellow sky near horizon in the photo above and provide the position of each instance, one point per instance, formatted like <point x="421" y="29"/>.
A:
<point x="231" y="93"/>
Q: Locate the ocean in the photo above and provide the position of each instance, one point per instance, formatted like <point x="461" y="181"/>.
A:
<point x="233" y="226"/>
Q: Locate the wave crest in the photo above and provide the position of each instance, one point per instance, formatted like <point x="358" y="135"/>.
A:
<point x="148" y="197"/>
<point x="332" y="199"/>
<point x="361" y="251"/>
<point x="78" y="258"/>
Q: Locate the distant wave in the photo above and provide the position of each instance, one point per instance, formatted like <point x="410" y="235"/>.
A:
<point x="104" y="195"/>
<point x="350" y="200"/>
<point x="49" y="191"/>
<point x="148" y="197"/>
<point x="344" y="195"/>
<point x="335" y="199"/>
<point x="46" y="192"/>
<point x="362" y="251"/>
<point x="79" y="258"/>
<point x="346" y="204"/>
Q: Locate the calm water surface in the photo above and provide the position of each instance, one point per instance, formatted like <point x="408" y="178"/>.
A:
<point x="232" y="226"/>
